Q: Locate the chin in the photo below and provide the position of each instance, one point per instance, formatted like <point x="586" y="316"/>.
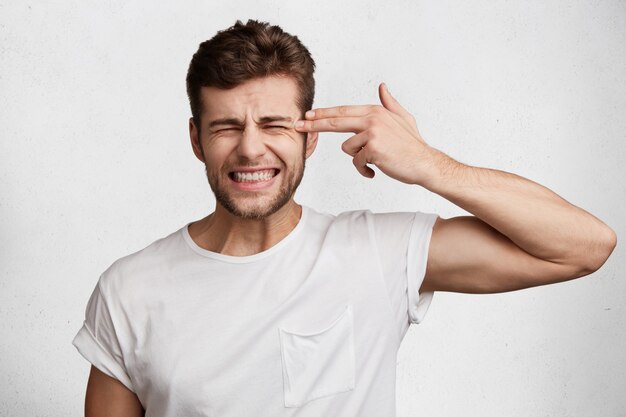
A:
<point x="257" y="209"/>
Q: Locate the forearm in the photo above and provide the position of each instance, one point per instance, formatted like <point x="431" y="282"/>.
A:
<point x="529" y="214"/>
<point x="534" y="218"/>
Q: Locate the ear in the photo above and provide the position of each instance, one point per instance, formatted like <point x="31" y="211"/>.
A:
<point x="195" y="140"/>
<point x="311" y="143"/>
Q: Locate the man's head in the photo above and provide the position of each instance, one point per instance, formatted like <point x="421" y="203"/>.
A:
<point x="247" y="51"/>
<point x="247" y="86"/>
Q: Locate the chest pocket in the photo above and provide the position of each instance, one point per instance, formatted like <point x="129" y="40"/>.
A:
<point x="318" y="364"/>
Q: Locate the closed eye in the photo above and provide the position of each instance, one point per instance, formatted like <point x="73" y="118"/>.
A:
<point x="276" y="127"/>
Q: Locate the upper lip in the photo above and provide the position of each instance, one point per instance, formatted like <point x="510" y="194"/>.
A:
<point x="252" y="169"/>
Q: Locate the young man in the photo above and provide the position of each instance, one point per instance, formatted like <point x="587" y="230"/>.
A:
<point x="268" y="308"/>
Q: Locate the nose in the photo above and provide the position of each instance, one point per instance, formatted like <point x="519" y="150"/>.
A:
<point x="251" y="145"/>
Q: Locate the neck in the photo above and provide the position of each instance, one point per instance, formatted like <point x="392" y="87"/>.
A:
<point x="227" y="234"/>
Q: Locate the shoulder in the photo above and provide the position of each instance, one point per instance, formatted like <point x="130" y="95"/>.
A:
<point x="398" y="218"/>
<point x="368" y="222"/>
<point x="365" y="218"/>
<point x="130" y="270"/>
<point x="385" y="225"/>
<point x="324" y="220"/>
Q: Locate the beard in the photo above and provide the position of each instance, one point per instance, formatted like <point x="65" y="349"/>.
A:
<point x="256" y="206"/>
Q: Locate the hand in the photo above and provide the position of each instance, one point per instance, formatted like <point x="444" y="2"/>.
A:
<point x="385" y="136"/>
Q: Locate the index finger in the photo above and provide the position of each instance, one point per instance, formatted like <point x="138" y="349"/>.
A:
<point x="338" y="111"/>
<point x="332" y="124"/>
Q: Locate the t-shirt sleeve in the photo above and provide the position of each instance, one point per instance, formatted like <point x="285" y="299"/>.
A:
<point x="97" y="340"/>
<point x="402" y="242"/>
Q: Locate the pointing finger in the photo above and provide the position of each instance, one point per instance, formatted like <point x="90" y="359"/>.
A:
<point x="339" y="111"/>
<point x="335" y="124"/>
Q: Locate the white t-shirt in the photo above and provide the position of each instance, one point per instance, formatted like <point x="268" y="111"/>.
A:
<point x="310" y="326"/>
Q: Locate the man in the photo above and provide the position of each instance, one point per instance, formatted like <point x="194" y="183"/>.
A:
<point x="268" y="308"/>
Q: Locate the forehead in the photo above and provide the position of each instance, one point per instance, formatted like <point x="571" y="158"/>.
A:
<point x="257" y="97"/>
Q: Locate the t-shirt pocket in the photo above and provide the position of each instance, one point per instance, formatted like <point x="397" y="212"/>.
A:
<point x="318" y="364"/>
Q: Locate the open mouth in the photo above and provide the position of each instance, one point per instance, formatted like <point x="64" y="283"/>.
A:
<point x="261" y="175"/>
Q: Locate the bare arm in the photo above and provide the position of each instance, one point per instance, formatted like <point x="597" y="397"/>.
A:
<point x="108" y="397"/>
<point x="521" y="235"/>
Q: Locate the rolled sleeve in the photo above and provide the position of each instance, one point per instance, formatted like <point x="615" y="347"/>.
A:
<point x="417" y="258"/>
<point x="98" y="342"/>
<point x="89" y="347"/>
<point x="401" y="240"/>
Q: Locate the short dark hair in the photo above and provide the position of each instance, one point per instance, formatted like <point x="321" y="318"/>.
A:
<point x="247" y="51"/>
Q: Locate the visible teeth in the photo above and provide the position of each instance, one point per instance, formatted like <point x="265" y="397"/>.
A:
<point x="254" y="176"/>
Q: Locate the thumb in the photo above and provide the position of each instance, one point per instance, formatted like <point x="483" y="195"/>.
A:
<point x="390" y="103"/>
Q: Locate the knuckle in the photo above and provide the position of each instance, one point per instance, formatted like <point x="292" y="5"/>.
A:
<point x="375" y="129"/>
<point x="373" y="121"/>
<point x="379" y="110"/>
<point x="373" y="147"/>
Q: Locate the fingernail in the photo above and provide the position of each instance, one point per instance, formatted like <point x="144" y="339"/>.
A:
<point x="387" y="88"/>
<point x="309" y="114"/>
<point x="300" y="123"/>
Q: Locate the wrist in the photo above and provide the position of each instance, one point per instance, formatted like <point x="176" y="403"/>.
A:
<point x="441" y="170"/>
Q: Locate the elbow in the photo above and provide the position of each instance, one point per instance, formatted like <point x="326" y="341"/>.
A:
<point x="599" y="252"/>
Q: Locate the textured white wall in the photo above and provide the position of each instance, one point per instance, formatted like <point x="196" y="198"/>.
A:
<point x="95" y="163"/>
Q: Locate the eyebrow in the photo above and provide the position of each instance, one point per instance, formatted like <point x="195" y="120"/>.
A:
<point x="270" y="119"/>
<point x="237" y="122"/>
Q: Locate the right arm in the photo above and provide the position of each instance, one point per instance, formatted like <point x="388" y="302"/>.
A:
<point x="108" y="397"/>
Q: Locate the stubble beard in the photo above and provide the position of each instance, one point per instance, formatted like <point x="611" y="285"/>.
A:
<point x="259" y="210"/>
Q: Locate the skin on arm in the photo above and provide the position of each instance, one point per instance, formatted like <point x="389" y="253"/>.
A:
<point x="108" y="397"/>
<point x="469" y="256"/>
<point x="521" y="235"/>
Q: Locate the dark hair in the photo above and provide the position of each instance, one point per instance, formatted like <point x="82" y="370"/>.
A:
<point x="247" y="51"/>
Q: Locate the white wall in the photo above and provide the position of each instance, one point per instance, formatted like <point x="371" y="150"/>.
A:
<point x="95" y="163"/>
